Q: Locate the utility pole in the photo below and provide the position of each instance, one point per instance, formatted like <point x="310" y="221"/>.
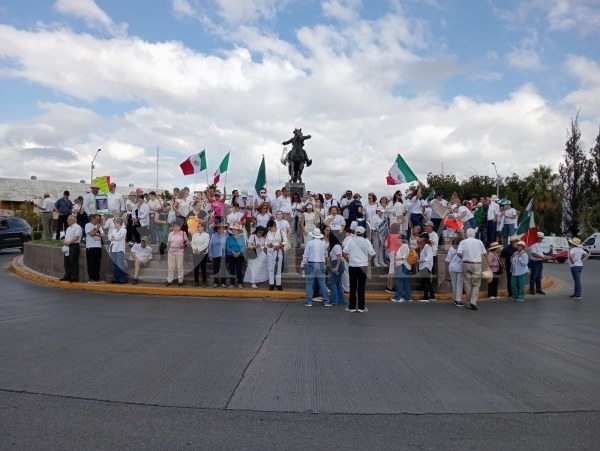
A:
<point x="92" y="166"/>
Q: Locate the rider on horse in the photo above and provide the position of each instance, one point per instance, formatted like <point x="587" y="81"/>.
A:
<point x="297" y="157"/>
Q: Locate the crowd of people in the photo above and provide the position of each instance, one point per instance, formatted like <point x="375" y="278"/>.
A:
<point x="245" y="239"/>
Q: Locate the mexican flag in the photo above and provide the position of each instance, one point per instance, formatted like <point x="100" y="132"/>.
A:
<point x="400" y="173"/>
<point x="222" y="168"/>
<point x="261" y="177"/>
<point x="194" y="164"/>
<point x="527" y="227"/>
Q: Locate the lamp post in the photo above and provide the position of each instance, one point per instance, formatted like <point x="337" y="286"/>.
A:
<point x="92" y="166"/>
<point x="497" y="180"/>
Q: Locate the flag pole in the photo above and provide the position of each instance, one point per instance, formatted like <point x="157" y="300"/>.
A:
<point x="227" y="171"/>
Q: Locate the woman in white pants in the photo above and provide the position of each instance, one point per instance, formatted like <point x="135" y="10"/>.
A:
<point x="455" y="271"/>
<point x="275" y="242"/>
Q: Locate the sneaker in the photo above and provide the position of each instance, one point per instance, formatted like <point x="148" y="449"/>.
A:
<point x="167" y="284"/>
<point x="541" y="292"/>
<point x="180" y="284"/>
<point x="215" y="285"/>
<point x="254" y="286"/>
<point x="240" y="286"/>
<point x="432" y="299"/>
<point x="408" y="300"/>
<point x="458" y="304"/>
<point x="306" y="304"/>
<point x="395" y="300"/>
<point x="520" y="300"/>
<point x="328" y="304"/>
<point x="134" y="282"/>
<point x="231" y="286"/>
<point x="363" y="310"/>
<point x="350" y="310"/>
<point x="204" y="285"/>
<point x="572" y="296"/>
<point x="223" y="286"/>
<point x="92" y="281"/>
<point x="318" y="299"/>
<point x="423" y="300"/>
<point x="389" y="290"/>
<point x="577" y="298"/>
<point x="492" y="297"/>
<point x="279" y="288"/>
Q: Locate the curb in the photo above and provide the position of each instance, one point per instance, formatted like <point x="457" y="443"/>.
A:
<point x="246" y="293"/>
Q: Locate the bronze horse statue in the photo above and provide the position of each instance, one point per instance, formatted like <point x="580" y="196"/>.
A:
<point x="297" y="157"/>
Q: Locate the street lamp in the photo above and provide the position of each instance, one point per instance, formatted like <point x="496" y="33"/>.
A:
<point x="92" y="167"/>
<point x="497" y="180"/>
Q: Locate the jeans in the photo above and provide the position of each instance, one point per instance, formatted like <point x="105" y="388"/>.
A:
<point x="316" y="271"/>
<point x="337" y="292"/>
<point x="358" y="281"/>
<point x="576" y="273"/>
<point x="535" y="279"/>
<point x="402" y="284"/>
<point x="116" y="263"/>
<point x="491" y="226"/>
<point x="509" y="230"/>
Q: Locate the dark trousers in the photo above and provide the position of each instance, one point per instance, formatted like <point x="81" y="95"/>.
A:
<point x="218" y="271"/>
<point x="438" y="228"/>
<point x="72" y="263"/>
<point x="426" y="285"/>
<point x="61" y="224"/>
<point x="493" y="287"/>
<point x="200" y="265"/>
<point x="358" y="281"/>
<point x="535" y="279"/>
<point x="93" y="257"/>
<point x="491" y="232"/>
<point x="509" y="282"/>
<point x="235" y="268"/>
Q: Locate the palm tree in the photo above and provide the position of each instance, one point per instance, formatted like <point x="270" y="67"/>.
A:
<point x="545" y="187"/>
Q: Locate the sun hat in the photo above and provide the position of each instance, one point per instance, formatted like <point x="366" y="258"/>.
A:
<point x="360" y="230"/>
<point x="540" y="235"/>
<point x="236" y="226"/>
<point x="522" y="243"/>
<point x="575" y="242"/>
<point x="244" y="193"/>
<point x="494" y="245"/>
<point x="316" y="233"/>
<point x="514" y="238"/>
<point x="494" y="197"/>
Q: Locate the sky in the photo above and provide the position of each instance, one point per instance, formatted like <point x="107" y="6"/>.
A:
<point x="451" y="85"/>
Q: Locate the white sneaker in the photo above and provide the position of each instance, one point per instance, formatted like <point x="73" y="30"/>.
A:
<point x="363" y="310"/>
<point x="254" y="285"/>
<point x="395" y="300"/>
<point x="240" y="286"/>
<point x="350" y="310"/>
<point x="423" y="300"/>
<point x="318" y="299"/>
<point x="492" y="297"/>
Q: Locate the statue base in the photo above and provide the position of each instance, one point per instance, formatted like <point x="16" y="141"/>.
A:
<point x="299" y="188"/>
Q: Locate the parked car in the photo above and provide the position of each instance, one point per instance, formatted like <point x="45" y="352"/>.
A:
<point x="14" y="232"/>
<point x="592" y="245"/>
<point x="556" y="247"/>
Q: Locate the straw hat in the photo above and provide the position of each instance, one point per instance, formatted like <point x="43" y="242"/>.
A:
<point x="514" y="238"/>
<point x="575" y="242"/>
<point x="522" y="243"/>
<point x="494" y="245"/>
<point x="237" y="226"/>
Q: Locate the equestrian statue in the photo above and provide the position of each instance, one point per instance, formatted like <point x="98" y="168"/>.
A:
<point x="296" y="158"/>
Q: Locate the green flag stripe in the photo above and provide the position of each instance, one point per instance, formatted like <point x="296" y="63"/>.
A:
<point x="409" y="175"/>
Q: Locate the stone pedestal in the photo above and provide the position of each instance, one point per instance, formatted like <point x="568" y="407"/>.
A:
<point x="299" y="188"/>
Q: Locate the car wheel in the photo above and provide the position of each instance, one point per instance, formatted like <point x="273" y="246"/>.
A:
<point x="562" y="260"/>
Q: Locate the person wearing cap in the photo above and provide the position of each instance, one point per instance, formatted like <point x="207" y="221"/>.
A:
<point x="375" y="222"/>
<point x="493" y="259"/>
<point x="493" y="215"/>
<point x="200" y="242"/>
<point x="235" y="248"/>
<point x="519" y="269"/>
<point x="47" y="208"/>
<point x="217" y="254"/>
<point x="141" y="254"/>
<point x="93" y="247"/>
<point x="537" y="258"/>
<point x="275" y="242"/>
<point x="425" y="267"/>
<point x="176" y="244"/>
<point x="64" y="208"/>
<point x="257" y="270"/>
<point x="344" y="203"/>
<point x="505" y="260"/>
<point x="313" y="263"/>
<point x="576" y="258"/>
<point x="359" y="252"/>
<point x="261" y="199"/>
<point x="330" y="201"/>
<point x="473" y="255"/>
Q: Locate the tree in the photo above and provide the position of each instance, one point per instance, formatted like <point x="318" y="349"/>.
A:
<point x="591" y="184"/>
<point x="479" y="185"/>
<point x="544" y="186"/>
<point x="442" y="182"/>
<point x="572" y="173"/>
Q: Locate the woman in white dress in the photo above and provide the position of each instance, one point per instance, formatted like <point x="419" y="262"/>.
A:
<point x="275" y="242"/>
<point x="263" y="216"/>
<point x="297" y="208"/>
<point x="397" y="212"/>
<point x="308" y="221"/>
<point x="257" y="270"/>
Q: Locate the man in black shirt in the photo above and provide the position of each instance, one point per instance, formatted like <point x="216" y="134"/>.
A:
<point x="505" y="257"/>
<point x="64" y="207"/>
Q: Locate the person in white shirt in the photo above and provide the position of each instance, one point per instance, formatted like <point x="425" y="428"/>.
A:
<point x="154" y="205"/>
<point x="141" y="254"/>
<point x="576" y="258"/>
<point x="345" y="202"/>
<point x="510" y="223"/>
<point x="114" y="200"/>
<point x="262" y="198"/>
<point x="262" y="216"/>
<point x="493" y="214"/>
<point x="235" y="215"/>
<point x="456" y="272"/>
<point x="375" y="223"/>
<point x="141" y="219"/>
<point x="275" y="242"/>
<point x="283" y="224"/>
<point x="116" y="250"/>
<point x="465" y="215"/>
<point x="330" y="201"/>
<point x="73" y="234"/>
<point x="473" y="255"/>
<point x="536" y="259"/>
<point x="283" y="204"/>
<point x="359" y="253"/>
<point x="434" y="238"/>
<point x="47" y="208"/>
<point x="425" y="267"/>
<point x="200" y="242"/>
<point x="335" y="220"/>
<point x="93" y="247"/>
<point x="415" y="207"/>
<point x="89" y="200"/>
<point x="313" y="263"/>
<point x="370" y="207"/>
<point x="403" y="268"/>
<point x="349" y="237"/>
<point x="297" y="211"/>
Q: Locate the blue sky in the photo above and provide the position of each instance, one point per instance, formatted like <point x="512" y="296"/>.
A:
<point x="458" y="82"/>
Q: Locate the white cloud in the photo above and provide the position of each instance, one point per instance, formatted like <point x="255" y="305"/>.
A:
<point x="524" y="59"/>
<point x="183" y="8"/>
<point x="582" y="16"/>
<point x="587" y="97"/>
<point x="345" y="10"/>
<point x="91" y="13"/>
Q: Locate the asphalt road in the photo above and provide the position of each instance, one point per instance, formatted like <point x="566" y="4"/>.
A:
<point x="97" y="371"/>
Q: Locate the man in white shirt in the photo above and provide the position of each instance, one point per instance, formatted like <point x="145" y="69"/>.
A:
<point x="359" y="252"/>
<point x="510" y="222"/>
<point x="141" y="254"/>
<point x="47" y="215"/>
<point x="434" y="238"/>
<point x="345" y="202"/>
<point x="537" y="258"/>
<point x="262" y="198"/>
<point x="141" y="219"/>
<point x="94" y="232"/>
<point x="473" y="255"/>
<point x="73" y="235"/>
<point x="284" y="204"/>
<point x="313" y="263"/>
<point x="89" y="200"/>
<point x="115" y="200"/>
<point x="493" y="214"/>
<point x="329" y="200"/>
<point x="416" y="205"/>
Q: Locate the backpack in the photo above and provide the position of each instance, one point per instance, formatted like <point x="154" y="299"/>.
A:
<point x="412" y="257"/>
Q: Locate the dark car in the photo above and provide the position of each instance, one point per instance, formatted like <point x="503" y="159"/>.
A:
<point x="14" y="232"/>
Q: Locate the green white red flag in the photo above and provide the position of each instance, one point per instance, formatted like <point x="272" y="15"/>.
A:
<point x="221" y="169"/>
<point x="400" y="173"/>
<point x="527" y="228"/>
<point x="194" y="164"/>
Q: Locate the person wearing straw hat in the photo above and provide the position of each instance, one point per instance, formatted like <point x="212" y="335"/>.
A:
<point x="496" y="268"/>
<point x="518" y="267"/>
<point x="537" y="258"/>
<point x="505" y="257"/>
<point x="217" y="253"/>
<point x="313" y="263"/>
<point x="359" y="252"/>
<point x="576" y="257"/>
<point x="235" y="248"/>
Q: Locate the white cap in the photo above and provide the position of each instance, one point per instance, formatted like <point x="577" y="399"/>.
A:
<point x="360" y="230"/>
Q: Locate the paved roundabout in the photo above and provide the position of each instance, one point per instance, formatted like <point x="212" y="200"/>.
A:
<point x="213" y="372"/>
